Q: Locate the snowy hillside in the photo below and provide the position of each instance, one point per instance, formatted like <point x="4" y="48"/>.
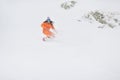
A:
<point x="80" y="51"/>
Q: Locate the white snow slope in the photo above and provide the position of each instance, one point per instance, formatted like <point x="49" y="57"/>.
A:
<point x="80" y="51"/>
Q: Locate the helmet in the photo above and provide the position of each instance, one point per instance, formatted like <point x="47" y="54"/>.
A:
<point x="48" y="19"/>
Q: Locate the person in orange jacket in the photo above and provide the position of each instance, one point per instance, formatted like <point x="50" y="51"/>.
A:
<point x="47" y="26"/>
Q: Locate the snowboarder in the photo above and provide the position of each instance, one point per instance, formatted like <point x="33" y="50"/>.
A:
<point x="48" y="28"/>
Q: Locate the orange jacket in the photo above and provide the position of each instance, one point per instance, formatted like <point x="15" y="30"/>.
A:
<point x="46" y="28"/>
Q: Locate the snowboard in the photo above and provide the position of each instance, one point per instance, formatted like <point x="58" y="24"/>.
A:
<point x="47" y="39"/>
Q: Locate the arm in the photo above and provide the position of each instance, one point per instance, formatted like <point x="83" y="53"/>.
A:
<point x="53" y="29"/>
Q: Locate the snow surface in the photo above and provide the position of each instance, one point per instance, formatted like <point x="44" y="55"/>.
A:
<point x="80" y="51"/>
